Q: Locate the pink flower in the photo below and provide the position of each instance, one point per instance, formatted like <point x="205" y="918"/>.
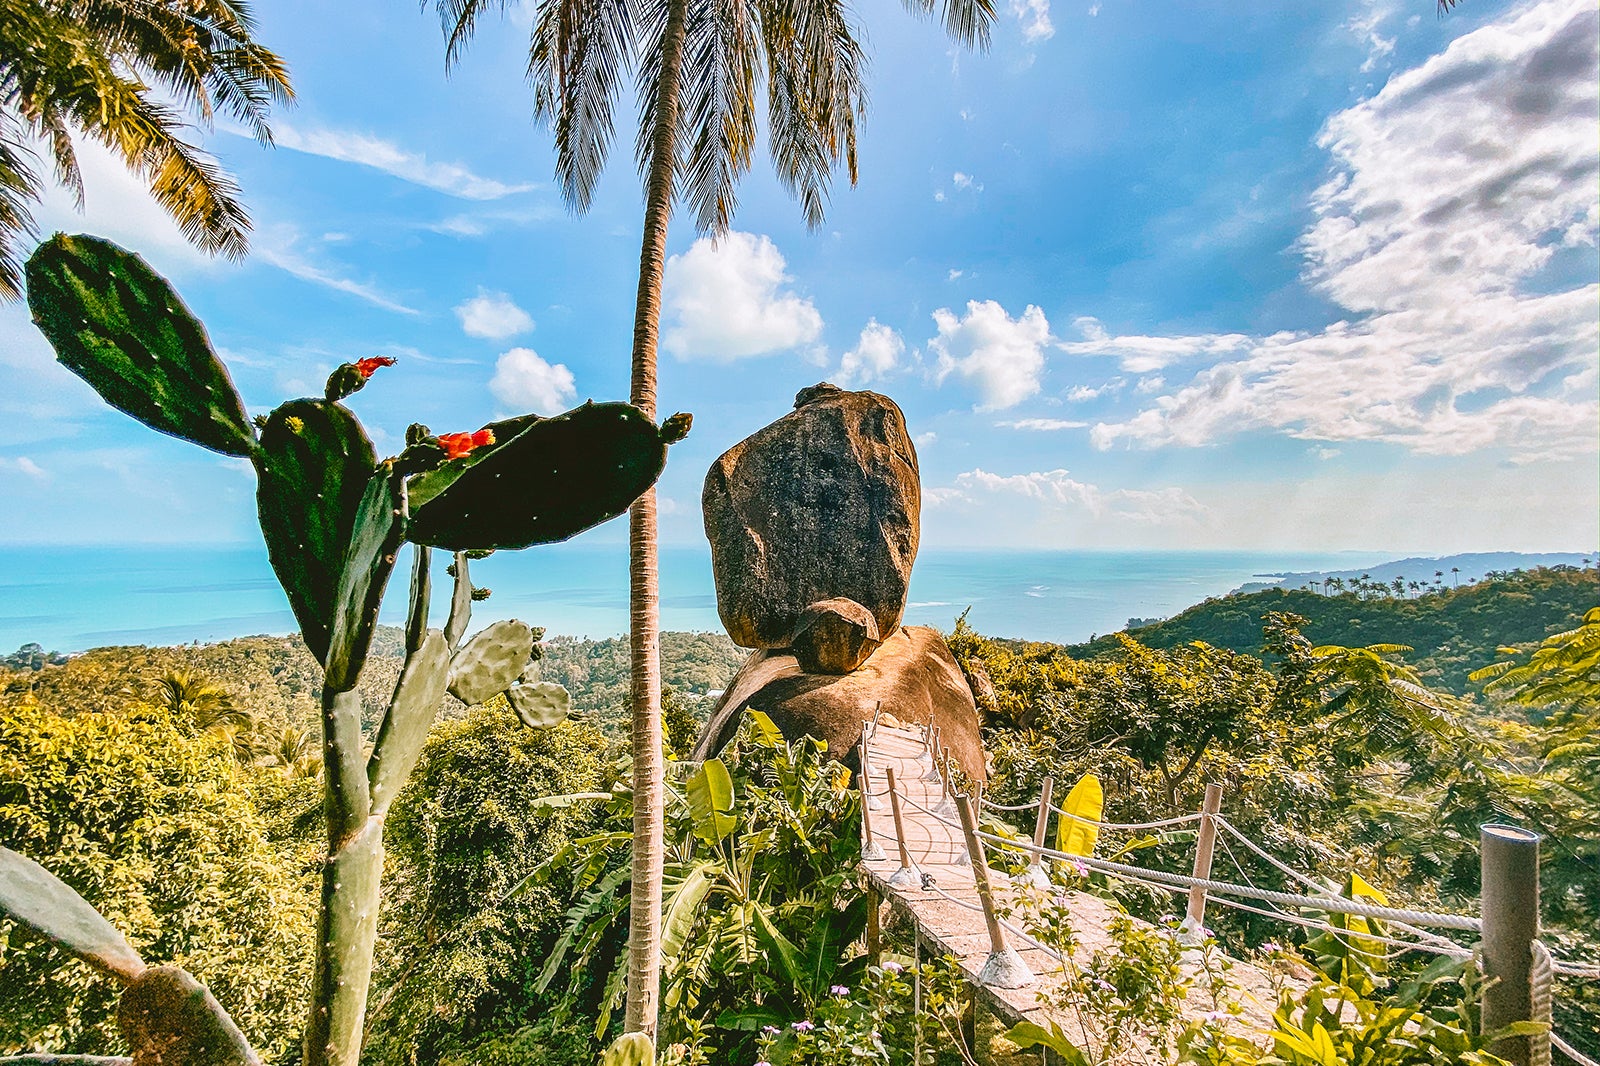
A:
<point x="803" y="1026"/>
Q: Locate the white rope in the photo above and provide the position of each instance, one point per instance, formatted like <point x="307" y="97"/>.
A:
<point x="1162" y="824"/>
<point x="1574" y="969"/>
<point x="1571" y="1052"/>
<point x="1311" y="883"/>
<point x="1457" y="951"/>
<point x="1541" y="982"/>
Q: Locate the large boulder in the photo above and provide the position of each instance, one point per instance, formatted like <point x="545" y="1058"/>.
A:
<point x="912" y="675"/>
<point x="825" y="502"/>
<point x="834" y="636"/>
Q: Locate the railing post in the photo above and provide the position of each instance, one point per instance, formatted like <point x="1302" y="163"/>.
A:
<point x="1510" y="906"/>
<point x="1005" y="967"/>
<point x="1194" y="923"/>
<point x="1041" y="826"/>
<point x="867" y="797"/>
<point x="905" y="876"/>
<point x="870" y="850"/>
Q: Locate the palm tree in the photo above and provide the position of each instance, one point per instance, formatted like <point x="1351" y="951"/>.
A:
<point x="123" y="72"/>
<point x="198" y="705"/>
<point x="700" y="67"/>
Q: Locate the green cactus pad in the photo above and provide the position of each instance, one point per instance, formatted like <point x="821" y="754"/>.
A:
<point x="552" y="479"/>
<point x="166" y="1016"/>
<point x="490" y="661"/>
<point x="314" y="465"/>
<point x="38" y="899"/>
<point x="411" y="710"/>
<point x="541" y="705"/>
<point x="118" y="325"/>
<point x="375" y="540"/>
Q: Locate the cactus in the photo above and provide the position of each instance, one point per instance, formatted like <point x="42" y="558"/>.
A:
<point x="118" y="325"/>
<point x="313" y="467"/>
<point x="333" y="518"/>
<point x="165" y="1015"/>
<point x="553" y="478"/>
<point x="490" y="662"/>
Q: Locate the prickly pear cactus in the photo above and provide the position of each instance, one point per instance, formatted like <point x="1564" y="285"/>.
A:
<point x="313" y="467"/>
<point x="540" y="704"/>
<point x="490" y="661"/>
<point x="552" y="479"/>
<point x="118" y="325"/>
<point x="369" y="559"/>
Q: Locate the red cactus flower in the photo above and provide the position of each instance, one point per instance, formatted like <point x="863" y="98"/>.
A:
<point x="369" y="366"/>
<point x="457" y="445"/>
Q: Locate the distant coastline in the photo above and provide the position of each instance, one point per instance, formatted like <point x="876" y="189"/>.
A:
<point x="73" y="598"/>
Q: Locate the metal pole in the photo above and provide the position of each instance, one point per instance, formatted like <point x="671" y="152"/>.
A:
<point x="1195" y="921"/>
<point x="870" y="850"/>
<point x="1004" y="967"/>
<point x="903" y="876"/>
<point x="1510" y="857"/>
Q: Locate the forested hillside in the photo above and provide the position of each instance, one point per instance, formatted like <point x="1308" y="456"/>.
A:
<point x="1453" y="631"/>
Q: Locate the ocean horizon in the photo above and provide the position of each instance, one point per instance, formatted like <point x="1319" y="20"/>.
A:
<point x="73" y="598"/>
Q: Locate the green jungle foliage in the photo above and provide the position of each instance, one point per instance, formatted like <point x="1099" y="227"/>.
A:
<point x="155" y="824"/>
<point x="1453" y="631"/>
<point x="596" y="672"/>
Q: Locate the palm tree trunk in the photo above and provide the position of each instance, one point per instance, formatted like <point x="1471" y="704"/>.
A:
<point x="644" y="643"/>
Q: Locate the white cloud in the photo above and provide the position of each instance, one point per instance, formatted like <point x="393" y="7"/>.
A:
<point x="493" y="316"/>
<point x="1084" y="393"/>
<point x="1453" y="189"/>
<point x="728" y="299"/>
<point x="1366" y="28"/>
<point x="1034" y="17"/>
<point x="25" y="466"/>
<point x="280" y="247"/>
<point x="966" y="182"/>
<point x="368" y="151"/>
<point x="954" y="274"/>
<point x="1057" y="491"/>
<point x="876" y="355"/>
<point x="1142" y="354"/>
<point x="1153" y="383"/>
<point x="1041" y="425"/>
<point x="525" y="382"/>
<point x="1002" y="356"/>
<point x="925" y="439"/>
<point x="938" y="196"/>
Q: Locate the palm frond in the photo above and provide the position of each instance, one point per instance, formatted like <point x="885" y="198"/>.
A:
<point x="579" y="51"/>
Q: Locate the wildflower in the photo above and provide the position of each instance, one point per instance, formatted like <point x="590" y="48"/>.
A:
<point x="369" y="366"/>
<point x="893" y="967"/>
<point x="763" y="1062"/>
<point x="1214" y="1015"/>
<point x="1079" y="868"/>
<point x="769" y="1029"/>
<point x="457" y="445"/>
<point x="1271" y="947"/>
<point x="803" y="1026"/>
<point x="840" y="990"/>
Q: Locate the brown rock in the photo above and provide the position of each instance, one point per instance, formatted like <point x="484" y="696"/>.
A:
<point x="912" y="674"/>
<point x="168" y="1018"/>
<point x="983" y="692"/>
<point x="823" y="502"/>
<point x="834" y="636"/>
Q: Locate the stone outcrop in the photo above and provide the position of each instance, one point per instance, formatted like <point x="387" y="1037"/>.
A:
<point x="823" y="503"/>
<point x="834" y="636"/>
<point x="911" y="674"/>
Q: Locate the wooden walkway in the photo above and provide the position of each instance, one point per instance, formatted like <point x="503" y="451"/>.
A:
<point x="948" y="920"/>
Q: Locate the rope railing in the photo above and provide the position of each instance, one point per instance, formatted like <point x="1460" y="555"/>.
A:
<point x="1322" y="897"/>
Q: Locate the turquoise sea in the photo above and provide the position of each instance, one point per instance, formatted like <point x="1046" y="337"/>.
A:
<point x="70" y="599"/>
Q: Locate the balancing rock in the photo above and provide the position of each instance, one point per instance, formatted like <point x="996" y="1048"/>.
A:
<point x="823" y="503"/>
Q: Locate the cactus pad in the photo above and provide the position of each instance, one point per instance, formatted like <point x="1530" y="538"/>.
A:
<point x="314" y="464"/>
<point x="490" y="661"/>
<point x="118" y="325"/>
<point x="411" y="710"/>
<point x="38" y="899"/>
<point x="375" y="540"/>
<point x="541" y="705"/>
<point x="546" y="479"/>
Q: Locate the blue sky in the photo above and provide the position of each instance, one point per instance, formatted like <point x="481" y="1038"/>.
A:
<point x="1210" y="275"/>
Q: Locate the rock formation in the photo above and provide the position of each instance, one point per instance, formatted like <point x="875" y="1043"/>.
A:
<point x="823" y="503"/>
<point x="814" y="523"/>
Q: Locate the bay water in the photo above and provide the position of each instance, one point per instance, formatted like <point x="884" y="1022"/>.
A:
<point x="73" y="598"/>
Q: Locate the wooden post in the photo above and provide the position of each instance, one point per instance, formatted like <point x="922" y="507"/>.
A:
<point x="904" y="876"/>
<point x="1004" y="967"/>
<point x="1195" y="921"/>
<point x="870" y="850"/>
<point x="1510" y="905"/>
<point x="874" y="927"/>
<point x="1041" y="826"/>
